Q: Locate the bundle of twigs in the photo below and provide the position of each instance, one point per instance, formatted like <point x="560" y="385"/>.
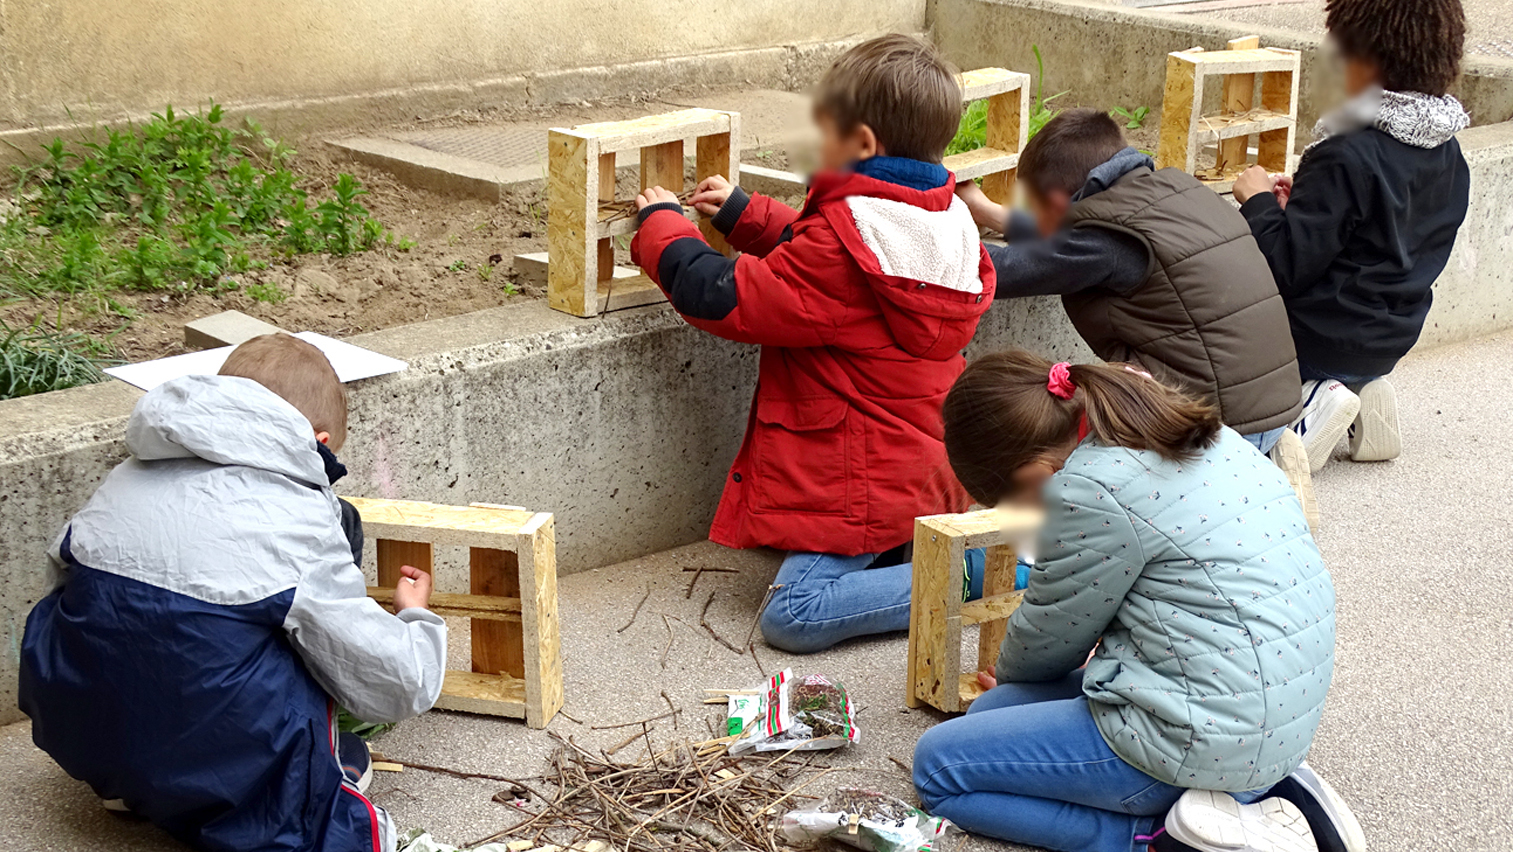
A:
<point x="689" y="796"/>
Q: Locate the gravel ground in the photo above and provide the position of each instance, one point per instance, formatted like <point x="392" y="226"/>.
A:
<point x="1418" y="734"/>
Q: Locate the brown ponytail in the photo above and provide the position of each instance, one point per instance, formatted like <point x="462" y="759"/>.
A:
<point x="1000" y="416"/>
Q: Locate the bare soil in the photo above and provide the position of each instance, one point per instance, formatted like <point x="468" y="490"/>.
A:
<point x="460" y="262"/>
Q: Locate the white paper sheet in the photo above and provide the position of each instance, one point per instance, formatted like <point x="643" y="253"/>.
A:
<point x="350" y="362"/>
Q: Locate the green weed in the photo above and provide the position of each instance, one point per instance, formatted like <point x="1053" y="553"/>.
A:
<point x="34" y="359"/>
<point x="971" y="133"/>
<point x="268" y="292"/>
<point x="177" y="204"/>
<point x="1133" y="118"/>
<point x="458" y="265"/>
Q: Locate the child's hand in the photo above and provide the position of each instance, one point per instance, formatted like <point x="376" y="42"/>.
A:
<point x="710" y="195"/>
<point x="414" y="589"/>
<point x="1281" y="187"/>
<point x="987" y="679"/>
<point x="1252" y="182"/>
<point x="655" y="195"/>
<point x="985" y="212"/>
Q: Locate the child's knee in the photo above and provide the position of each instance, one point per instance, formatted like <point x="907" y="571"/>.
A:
<point x="783" y="631"/>
<point x="928" y="761"/>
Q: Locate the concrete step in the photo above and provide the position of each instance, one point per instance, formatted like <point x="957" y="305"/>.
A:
<point x="490" y="160"/>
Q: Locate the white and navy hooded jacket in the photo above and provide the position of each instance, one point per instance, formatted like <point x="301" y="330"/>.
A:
<point x="206" y="619"/>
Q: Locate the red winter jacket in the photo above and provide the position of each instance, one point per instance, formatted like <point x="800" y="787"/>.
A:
<point x="862" y="303"/>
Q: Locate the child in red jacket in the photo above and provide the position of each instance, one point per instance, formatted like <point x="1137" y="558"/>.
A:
<point x="862" y="302"/>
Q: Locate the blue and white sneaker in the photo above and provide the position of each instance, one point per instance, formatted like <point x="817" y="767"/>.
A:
<point x="1334" y="827"/>
<point x="1374" y="436"/>
<point x="356" y="761"/>
<point x="1209" y="821"/>
<point x="1328" y="410"/>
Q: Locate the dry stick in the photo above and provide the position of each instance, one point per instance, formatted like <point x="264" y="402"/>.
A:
<point x="690" y="568"/>
<point x="901" y="765"/>
<point x="694" y="582"/>
<point x="672" y="709"/>
<point x="458" y="773"/>
<point x="704" y="622"/>
<point x="637" y="722"/>
<point x="752" y="648"/>
<point x="628" y="740"/>
<point x="668" y="649"/>
<point x="751" y="634"/>
<point x="637" y="611"/>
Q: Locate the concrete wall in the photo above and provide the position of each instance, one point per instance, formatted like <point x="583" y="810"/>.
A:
<point x="1113" y="56"/>
<point x="75" y="60"/>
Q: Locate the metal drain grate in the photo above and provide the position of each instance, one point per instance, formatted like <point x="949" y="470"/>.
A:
<point x="498" y="146"/>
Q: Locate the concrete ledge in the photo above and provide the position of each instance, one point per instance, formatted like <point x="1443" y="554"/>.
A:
<point x="1113" y="56"/>
<point x="790" y="66"/>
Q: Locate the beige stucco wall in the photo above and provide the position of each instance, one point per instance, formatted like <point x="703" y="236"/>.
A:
<point x="106" y="58"/>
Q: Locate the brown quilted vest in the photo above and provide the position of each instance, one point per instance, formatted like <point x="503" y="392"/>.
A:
<point x="1208" y="318"/>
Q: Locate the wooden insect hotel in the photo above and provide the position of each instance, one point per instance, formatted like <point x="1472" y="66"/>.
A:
<point x="1008" y="129"/>
<point x="584" y="217"/>
<point x="937" y="613"/>
<point x="1186" y="129"/>
<point x="517" y="650"/>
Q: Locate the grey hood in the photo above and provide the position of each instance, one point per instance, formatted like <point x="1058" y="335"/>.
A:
<point x="225" y="420"/>
<point x="1412" y="118"/>
<point x="1108" y="173"/>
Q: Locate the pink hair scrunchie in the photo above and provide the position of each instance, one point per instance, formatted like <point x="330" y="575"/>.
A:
<point x="1060" y="383"/>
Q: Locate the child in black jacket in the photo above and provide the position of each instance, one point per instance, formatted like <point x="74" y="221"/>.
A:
<point x="1358" y="236"/>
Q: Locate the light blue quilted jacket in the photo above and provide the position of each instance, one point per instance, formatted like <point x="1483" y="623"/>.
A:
<point x="1208" y="601"/>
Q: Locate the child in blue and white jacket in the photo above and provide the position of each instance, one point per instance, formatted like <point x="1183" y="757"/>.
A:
<point x="208" y="617"/>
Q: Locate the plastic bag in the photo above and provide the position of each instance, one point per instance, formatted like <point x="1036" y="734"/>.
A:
<point x="867" y="820"/>
<point x="807" y="713"/>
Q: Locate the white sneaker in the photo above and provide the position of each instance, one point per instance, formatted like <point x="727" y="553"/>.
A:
<point x="1335" y="828"/>
<point x="1328" y="410"/>
<point x="1214" y="822"/>
<point x="1374" y="435"/>
<point x="1290" y="455"/>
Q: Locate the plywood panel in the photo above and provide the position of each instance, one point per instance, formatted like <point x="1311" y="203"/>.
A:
<point x="572" y="189"/>
<point x="392" y="554"/>
<point x="498" y="646"/>
<point x="543" y="657"/>
<point x="998" y="580"/>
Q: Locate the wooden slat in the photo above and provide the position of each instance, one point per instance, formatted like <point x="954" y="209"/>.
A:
<point x="469" y="526"/>
<point x="1180" y="105"/>
<point x="614" y="136"/>
<point x="1237" y="129"/>
<point x="1239" y="97"/>
<point x="718" y="155"/>
<point x="987" y="527"/>
<point x="987" y="82"/>
<point x="629" y="292"/>
<point x="662" y="165"/>
<point x="1216" y="62"/>
<point x="490" y="695"/>
<point x="498" y="646"/>
<point x="970" y="165"/>
<point x="987" y="610"/>
<point x="968" y="690"/>
<point x="393" y="553"/>
<point x="998" y="579"/>
<point x="459" y="606"/>
<point x="543" y="657"/>
<point x="1279" y="94"/>
<point x="934" y="615"/>
<point x="572" y="188"/>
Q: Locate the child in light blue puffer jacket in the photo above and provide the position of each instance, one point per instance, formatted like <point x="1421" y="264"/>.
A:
<point x="1164" y="678"/>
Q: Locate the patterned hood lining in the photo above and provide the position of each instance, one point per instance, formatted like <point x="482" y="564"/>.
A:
<point x="1412" y="118"/>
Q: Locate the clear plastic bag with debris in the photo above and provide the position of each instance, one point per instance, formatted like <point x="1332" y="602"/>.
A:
<point x="868" y="820"/>
<point x="806" y="713"/>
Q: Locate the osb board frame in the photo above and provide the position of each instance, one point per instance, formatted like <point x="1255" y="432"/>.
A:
<point x="1185" y="129"/>
<point x="581" y="184"/>
<point x="512" y="610"/>
<point x="1008" y="130"/>
<point x="937" y="613"/>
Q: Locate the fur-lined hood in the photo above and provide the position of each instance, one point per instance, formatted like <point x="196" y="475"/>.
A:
<point x="1412" y="118"/>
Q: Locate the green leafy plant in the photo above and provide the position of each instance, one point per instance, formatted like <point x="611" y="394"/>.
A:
<point x="34" y="360"/>
<point x="267" y="291"/>
<point x="1133" y="118"/>
<point x="176" y="204"/>
<point x="458" y="265"/>
<point x="347" y="723"/>
<point x="972" y="132"/>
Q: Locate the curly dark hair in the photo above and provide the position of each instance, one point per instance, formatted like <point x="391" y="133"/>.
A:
<point x="1417" y="44"/>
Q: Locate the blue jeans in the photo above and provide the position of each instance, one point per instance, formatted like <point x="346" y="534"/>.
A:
<point x="1028" y="765"/>
<point x="1264" y="441"/>
<point x="820" y="600"/>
